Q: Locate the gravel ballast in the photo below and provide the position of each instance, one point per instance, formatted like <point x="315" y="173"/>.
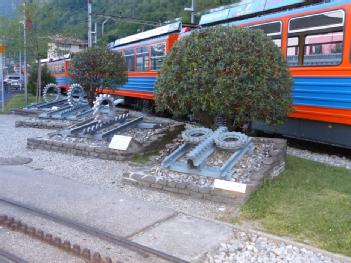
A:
<point x="332" y="160"/>
<point x="252" y="247"/>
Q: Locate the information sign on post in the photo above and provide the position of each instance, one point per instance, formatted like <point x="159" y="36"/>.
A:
<point x="2" y="78"/>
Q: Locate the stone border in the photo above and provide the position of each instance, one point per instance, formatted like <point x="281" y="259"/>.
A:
<point x="46" y="124"/>
<point x="26" y="113"/>
<point x="78" y="149"/>
<point x="272" y="167"/>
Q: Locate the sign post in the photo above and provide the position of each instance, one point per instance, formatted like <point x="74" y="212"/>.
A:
<point x="2" y="78"/>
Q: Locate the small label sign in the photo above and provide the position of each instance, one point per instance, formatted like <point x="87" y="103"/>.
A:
<point x="120" y="142"/>
<point x="230" y="186"/>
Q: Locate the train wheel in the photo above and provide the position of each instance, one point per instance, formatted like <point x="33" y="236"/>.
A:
<point x="196" y="135"/>
<point x="104" y="108"/>
<point x="231" y="140"/>
<point x="51" y="92"/>
<point x="76" y="95"/>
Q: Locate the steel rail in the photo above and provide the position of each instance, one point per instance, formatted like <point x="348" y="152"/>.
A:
<point x="10" y="257"/>
<point x="93" y="231"/>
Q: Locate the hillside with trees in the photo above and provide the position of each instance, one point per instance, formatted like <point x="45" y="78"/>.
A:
<point x="69" y="19"/>
<point x="72" y="14"/>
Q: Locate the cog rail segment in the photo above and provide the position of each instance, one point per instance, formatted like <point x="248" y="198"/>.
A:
<point x="114" y="239"/>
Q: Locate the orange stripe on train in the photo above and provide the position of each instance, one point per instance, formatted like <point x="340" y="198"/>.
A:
<point x="341" y="116"/>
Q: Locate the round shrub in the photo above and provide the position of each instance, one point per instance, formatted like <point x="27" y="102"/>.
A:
<point x="236" y="73"/>
<point x="98" y="67"/>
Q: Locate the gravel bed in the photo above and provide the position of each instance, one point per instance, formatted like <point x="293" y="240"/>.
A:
<point x="320" y="157"/>
<point x="92" y="142"/>
<point x="139" y="135"/>
<point x="242" y="172"/>
<point x="101" y="173"/>
<point x="248" y="247"/>
<point x="53" y="122"/>
<point x="142" y="135"/>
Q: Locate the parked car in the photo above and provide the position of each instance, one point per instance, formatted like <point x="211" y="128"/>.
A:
<point x="13" y="81"/>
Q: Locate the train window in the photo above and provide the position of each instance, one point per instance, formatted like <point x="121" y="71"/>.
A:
<point x="316" y="40"/>
<point x="142" y="56"/>
<point x="57" y="68"/>
<point x="158" y="52"/>
<point x="323" y="49"/>
<point x="293" y="51"/>
<point x="278" y="42"/>
<point x="317" y="21"/>
<point x="273" y="29"/>
<point x="129" y="55"/>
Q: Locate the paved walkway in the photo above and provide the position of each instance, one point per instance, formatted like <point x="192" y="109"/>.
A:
<point x="161" y="228"/>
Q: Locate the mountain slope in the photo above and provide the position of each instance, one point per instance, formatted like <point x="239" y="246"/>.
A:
<point x="73" y="14"/>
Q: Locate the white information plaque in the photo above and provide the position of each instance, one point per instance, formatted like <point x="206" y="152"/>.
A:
<point x="230" y="186"/>
<point x="120" y="142"/>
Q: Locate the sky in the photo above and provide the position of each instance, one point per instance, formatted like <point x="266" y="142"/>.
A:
<point x="8" y="7"/>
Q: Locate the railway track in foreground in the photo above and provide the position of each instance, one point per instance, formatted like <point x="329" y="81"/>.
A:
<point x="7" y="257"/>
<point x="94" y="257"/>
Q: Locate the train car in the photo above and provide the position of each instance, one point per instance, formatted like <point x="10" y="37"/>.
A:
<point x="316" y="41"/>
<point x="144" y="53"/>
<point x="59" y="68"/>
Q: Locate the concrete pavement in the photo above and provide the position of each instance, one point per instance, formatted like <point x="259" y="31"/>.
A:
<point x="161" y="228"/>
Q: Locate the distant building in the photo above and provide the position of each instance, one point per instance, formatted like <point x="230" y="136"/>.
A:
<point x="61" y="46"/>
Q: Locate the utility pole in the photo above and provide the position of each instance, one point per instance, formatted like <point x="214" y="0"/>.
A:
<point x="90" y="39"/>
<point x="2" y="78"/>
<point x="25" y="54"/>
<point x="20" y="66"/>
<point x="95" y="33"/>
<point x="192" y="9"/>
<point x="103" y="25"/>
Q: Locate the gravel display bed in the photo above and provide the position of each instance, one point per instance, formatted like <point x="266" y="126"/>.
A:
<point x="332" y="160"/>
<point x="252" y="247"/>
<point x="100" y="173"/>
<point x="143" y="141"/>
<point x="242" y="172"/>
<point x="266" y="161"/>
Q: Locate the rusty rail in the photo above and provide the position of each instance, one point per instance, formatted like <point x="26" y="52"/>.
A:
<point x="114" y="239"/>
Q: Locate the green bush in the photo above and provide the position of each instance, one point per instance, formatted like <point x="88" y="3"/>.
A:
<point x="96" y="67"/>
<point x="46" y="78"/>
<point x="236" y="73"/>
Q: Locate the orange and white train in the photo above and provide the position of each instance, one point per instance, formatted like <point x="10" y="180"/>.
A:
<point x="315" y="39"/>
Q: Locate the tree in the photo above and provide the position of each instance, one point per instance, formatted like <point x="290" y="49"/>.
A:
<point x="46" y="78"/>
<point x="38" y="19"/>
<point x="236" y="73"/>
<point x="96" y="67"/>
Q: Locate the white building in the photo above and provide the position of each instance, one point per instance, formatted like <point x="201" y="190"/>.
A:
<point x="61" y="46"/>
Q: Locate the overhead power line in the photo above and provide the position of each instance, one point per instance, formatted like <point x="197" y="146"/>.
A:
<point x="131" y="20"/>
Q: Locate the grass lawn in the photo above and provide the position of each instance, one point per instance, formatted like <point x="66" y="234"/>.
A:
<point x="18" y="101"/>
<point x="309" y="201"/>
